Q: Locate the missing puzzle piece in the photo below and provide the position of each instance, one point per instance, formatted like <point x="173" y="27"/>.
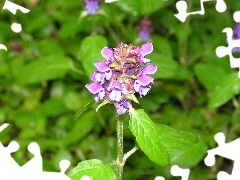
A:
<point x="33" y="169"/>
<point x="222" y="51"/>
<point x="177" y="171"/>
<point x="227" y="150"/>
<point x="182" y="6"/>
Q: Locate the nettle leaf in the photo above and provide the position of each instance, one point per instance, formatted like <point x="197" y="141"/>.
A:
<point x="147" y="137"/>
<point x="94" y="168"/>
<point x="45" y="68"/>
<point x="175" y="140"/>
<point x="226" y="90"/>
<point x="90" y="52"/>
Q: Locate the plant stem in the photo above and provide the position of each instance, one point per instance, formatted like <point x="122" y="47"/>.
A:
<point x="129" y="153"/>
<point x="120" y="163"/>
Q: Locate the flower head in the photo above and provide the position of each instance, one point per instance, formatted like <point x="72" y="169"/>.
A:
<point x="125" y="72"/>
<point x="145" y="27"/>
<point x="236" y="36"/>
<point x="91" y="6"/>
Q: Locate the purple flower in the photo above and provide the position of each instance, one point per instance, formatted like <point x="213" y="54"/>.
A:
<point x="122" y="106"/>
<point x="236" y="36"/>
<point x="144" y="34"/>
<point x="116" y="91"/>
<point x="125" y="72"/>
<point x="97" y="90"/>
<point x="91" y="6"/>
<point x="145" y="28"/>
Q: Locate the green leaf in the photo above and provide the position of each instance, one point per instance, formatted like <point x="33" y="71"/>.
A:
<point x="175" y="140"/>
<point x="209" y="80"/>
<point x="168" y="68"/>
<point x="45" y="68"/>
<point x="81" y="128"/>
<point x="226" y="90"/>
<point x="94" y="168"/>
<point x="145" y="131"/>
<point x="53" y="106"/>
<point x="90" y="52"/>
<point x="190" y="157"/>
<point x="162" y="45"/>
<point x="140" y="7"/>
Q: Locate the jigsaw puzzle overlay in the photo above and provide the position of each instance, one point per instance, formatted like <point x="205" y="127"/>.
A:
<point x="182" y="8"/>
<point x="227" y="150"/>
<point x="10" y="169"/>
<point x="16" y="27"/>
<point x="222" y="51"/>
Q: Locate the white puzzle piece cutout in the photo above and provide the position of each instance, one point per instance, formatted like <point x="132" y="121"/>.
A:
<point x="177" y="171"/>
<point x="222" y="51"/>
<point x="16" y="27"/>
<point x="10" y="169"/>
<point x="227" y="150"/>
<point x="182" y="6"/>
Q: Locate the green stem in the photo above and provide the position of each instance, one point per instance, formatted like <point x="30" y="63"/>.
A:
<point x="120" y="163"/>
<point x="183" y="57"/>
<point x="129" y="153"/>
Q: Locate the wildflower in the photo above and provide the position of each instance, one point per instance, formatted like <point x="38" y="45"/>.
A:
<point x="91" y="6"/>
<point x="236" y="36"/>
<point x="125" y="72"/>
<point x="144" y="29"/>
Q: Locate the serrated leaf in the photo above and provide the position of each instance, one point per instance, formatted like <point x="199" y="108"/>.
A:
<point x="175" y="140"/>
<point x="45" y="68"/>
<point x="94" y="168"/>
<point x="226" y="90"/>
<point x="90" y="52"/>
<point x="144" y="129"/>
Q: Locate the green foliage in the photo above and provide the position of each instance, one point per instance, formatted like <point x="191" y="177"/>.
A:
<point x="94" y="168"/>
<point x="226" y="90"/>
<point x="90" y="52"/>
<point x="44" y="72"/>
<point x="147" y="137"/>
<point x="46" y="68"/>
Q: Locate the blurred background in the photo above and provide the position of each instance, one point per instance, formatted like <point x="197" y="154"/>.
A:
<point x="44" y="72"/>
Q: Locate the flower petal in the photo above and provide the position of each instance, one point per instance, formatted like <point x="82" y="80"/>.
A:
<point x="107" y="53"/>
<point x="144" y="34"/>
<point x="144" y="80"/>
<point x="115" y="95"/>
<point x="143" y="90"/>
<point x="237" y="31"/>
<point x="115" y="86"/>
<point x="122" y="106"/>
<point x="146" y="48"/>
<point x="94" y="87"/>
<point x="92" y="6"/>
<point x="101" y="66"/>
<point x="149" y="69"/>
